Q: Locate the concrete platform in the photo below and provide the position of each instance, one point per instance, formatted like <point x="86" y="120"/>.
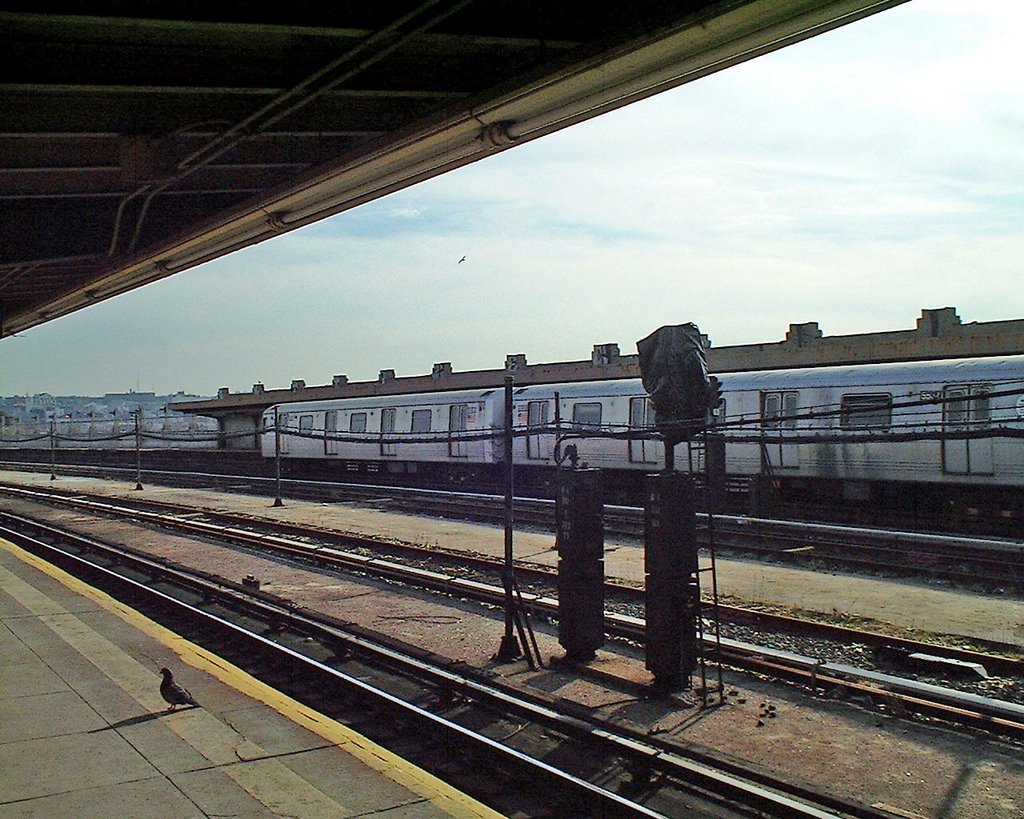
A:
<point x="84" y="731"/>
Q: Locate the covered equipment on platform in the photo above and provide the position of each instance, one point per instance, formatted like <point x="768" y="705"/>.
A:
<point x="674" y="371"/>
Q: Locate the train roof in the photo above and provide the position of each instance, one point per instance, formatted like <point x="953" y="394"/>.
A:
<point x="902" y="373"/>
<point x="894" y="373"/>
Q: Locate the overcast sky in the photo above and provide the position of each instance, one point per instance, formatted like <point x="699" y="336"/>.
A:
<point x="852" y="180"/>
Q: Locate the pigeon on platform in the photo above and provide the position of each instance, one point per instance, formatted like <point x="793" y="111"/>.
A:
<point x="173" y="692"/>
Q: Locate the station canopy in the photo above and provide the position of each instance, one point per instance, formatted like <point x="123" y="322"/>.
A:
<point x="141" y="139"/>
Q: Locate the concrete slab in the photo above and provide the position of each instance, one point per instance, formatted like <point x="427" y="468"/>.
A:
<point x="25" y="718"/>
<point x="158" y="742"/>
<point x="275" y="737"/>
<point x="155" y="798"/>
<point x="58" y="764"/>
<point x="359" y="792"/>
<point x="29" y="679"/>
<point x="213" y="793"/>
<point x="13" y="650"/>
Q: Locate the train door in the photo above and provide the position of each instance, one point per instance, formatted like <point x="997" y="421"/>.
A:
<point x="387" y="428"/>
<point x="641" y="414"/>
<point x="966" y="409"/>
<point x="538" y="447"/>
<point x="283" y="437"/>
<point x="356" y="426"/>
<point x="330" y="429"/>
<point x="777" y="411"/>
<point x="458" y="447"/>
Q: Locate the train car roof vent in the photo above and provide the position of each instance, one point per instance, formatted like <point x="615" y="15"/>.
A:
<point x="298" y="384"/>
<point x="385" y="376"/>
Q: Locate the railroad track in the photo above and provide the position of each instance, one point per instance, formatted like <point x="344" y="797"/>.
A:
<point x="454" y="723"/>
<point x="967" y="561"/>
<point x="327" y="548"/>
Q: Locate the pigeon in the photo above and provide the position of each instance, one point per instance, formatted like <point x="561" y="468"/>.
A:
<point x="460" y="261"/>
<point x="173" y="692"/>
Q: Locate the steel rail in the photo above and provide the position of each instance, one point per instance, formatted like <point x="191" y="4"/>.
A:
<point x="732" y="614"/>
<point x="630" y="518"/>
<point x="987" y="713"/>
<point x="894" y="549"/>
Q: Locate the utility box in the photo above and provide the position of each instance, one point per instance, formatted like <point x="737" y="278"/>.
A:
<point x="580" y="537"/>
<point x="672" y="590"/>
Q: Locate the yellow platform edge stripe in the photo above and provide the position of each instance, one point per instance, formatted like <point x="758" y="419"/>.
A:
<point x="440" y="793"/>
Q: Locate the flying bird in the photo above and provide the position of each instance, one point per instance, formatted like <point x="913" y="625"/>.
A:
<point x="174" y="693"/>
<point x="460" y="261"/>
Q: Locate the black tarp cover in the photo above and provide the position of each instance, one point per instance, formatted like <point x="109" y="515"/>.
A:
<point x="674" y="371"/>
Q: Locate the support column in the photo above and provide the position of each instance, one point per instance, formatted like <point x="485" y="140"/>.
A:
<point x="580" y="527"/>
<point x="672" y="590"/>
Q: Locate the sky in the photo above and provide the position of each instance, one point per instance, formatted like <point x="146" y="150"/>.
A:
<point x="853" y="180"/>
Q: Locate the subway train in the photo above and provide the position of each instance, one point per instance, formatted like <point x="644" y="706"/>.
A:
<point x="159" y="431"/>
<point x="925" y="436"/>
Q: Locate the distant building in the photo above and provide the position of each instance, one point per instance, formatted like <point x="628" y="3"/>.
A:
<point x="34" y="409"/>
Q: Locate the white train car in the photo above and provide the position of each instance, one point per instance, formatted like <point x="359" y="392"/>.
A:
<point x="586" y="410"/>
<point x="908" y="434"/>
<point x="159" y="431"/>
<point x="930" y="421"/>
<point x="393" y="432"/>
<point x="846" y="422"/>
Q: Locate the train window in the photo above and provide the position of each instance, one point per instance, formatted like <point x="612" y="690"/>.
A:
<point x="638" y="412"/>
<point x="778" y="409"/>
<point x="862" y="411"/>
<point x="421" y="420"/>
<point x="305" y="423"/>
<point x="357" y="422"/>
<point x="587" y="414"/>
<point x="980" y="408"/>
<point x="969" y="403"/>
